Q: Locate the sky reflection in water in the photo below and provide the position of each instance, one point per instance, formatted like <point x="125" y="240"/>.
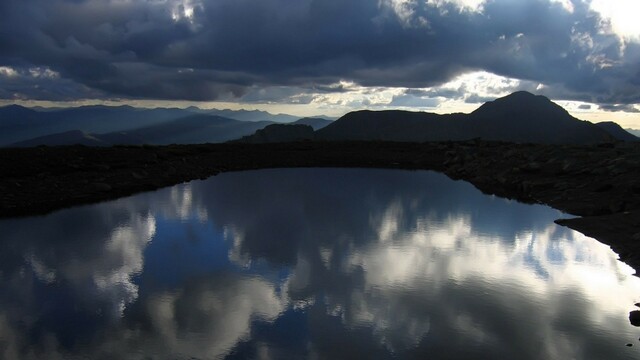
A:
<point x="329" y="263"/>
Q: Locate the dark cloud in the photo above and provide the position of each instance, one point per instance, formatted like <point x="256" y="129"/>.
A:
<point x="224" y="49"/>
<point x="584" y="107"/>
<point x="619" y="107"/>
<point x="409" y="100"/>
<point x="41" y="83"/>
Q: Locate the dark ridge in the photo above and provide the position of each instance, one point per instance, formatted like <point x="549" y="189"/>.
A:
<point x="617" y="131"/>
<point x="520" y="117"/>
<point x="276" y="133"/>
<point x="396" y="125"/>
<point x="315" y="123"/>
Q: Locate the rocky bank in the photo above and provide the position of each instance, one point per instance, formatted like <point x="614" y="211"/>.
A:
<point x="601" y="184"/>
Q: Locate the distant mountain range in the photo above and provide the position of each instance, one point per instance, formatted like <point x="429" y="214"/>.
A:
<point x="106" y="125"/>
<point x="520" y="117"/>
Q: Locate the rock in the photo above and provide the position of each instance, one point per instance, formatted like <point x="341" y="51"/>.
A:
<point x="561" y="185"/>
<point x="568" y="166"/>
<point x="139" y="174"/>
<point x="276" y="133"/>
<point x="501" y="179"/>
<point x="532" y="167"/>
<point x="101" y="167"/>
<point x="634" y="317"/>
<point x="101" y="186"/>
<point x="603" y="187"/>
<point x="526" y="186"/>
<point x="617" y="206"/>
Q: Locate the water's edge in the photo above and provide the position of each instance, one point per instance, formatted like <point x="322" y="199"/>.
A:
<point x="594" y="182"/>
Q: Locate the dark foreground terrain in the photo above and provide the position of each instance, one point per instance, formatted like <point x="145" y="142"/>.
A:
<point x="599" y="183"/>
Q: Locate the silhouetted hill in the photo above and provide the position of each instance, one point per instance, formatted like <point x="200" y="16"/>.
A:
<point x="520" y="117"/>
<point x="280" y="133"/>
<point x="395" y="125"/>
<point x="73" y="137"/>
<point x="315" y="123"/>
<point x="524" y="117"/>
<point x="617" y="131"/>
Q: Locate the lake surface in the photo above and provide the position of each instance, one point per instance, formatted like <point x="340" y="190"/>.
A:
<point x="311" y="263"/>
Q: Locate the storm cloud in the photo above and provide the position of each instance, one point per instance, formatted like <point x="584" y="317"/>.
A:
<point x="231" y="49"/>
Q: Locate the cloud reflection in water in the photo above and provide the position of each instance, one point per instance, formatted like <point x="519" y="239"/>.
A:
<point x="334" y="263"/>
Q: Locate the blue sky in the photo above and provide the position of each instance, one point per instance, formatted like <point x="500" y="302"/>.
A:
<point x="323" y="56"/>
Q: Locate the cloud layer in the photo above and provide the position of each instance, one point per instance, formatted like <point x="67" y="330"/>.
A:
<point x="301" y="51"/>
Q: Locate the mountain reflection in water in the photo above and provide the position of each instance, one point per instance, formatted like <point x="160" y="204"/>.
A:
<point x="326" y="263"/>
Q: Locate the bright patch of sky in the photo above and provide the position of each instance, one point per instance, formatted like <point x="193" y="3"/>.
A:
<point x="622" y="15"/>
<point x="464" y="93"/>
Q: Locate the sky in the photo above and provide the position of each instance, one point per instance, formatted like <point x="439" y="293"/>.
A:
<point x="308" y="57"/>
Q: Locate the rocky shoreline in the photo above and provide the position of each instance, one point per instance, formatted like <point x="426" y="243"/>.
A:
<point x="599" y="183"/>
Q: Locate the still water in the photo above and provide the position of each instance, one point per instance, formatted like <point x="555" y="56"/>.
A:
<point x="311" y="263"/>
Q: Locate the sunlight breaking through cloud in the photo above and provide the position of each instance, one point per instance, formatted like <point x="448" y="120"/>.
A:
<point x="622" y="16"/>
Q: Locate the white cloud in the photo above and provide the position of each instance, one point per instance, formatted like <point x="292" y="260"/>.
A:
<point x="221" y="312"/>
<point x="111" y="273"/>
<point x="440" y="253"/>
<point x="405" y="12"/>
<point x="43" y="72"/>
<point x="8" y="71"/>
<point x="463" y="5"/>
<point x="32" y="72"/>
<point x="482" y="84"/>
<point x="184" y="10"/>
<point x="566" y="4"/>
<point x="125" y="247"/>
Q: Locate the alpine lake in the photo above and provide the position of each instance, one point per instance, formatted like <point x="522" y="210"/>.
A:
<point x="316" y="263"/>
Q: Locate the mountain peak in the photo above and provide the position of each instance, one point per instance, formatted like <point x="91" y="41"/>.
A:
<point x="519" y="117"/>
<point x="522" y="94"/>
<point x="521" y="104"/>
